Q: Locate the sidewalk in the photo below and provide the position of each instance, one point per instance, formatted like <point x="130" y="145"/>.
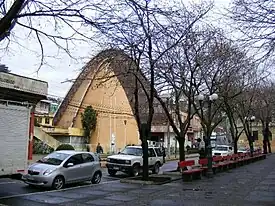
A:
<point x="251" y="185"/>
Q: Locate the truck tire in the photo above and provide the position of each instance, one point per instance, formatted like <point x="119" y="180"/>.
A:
<point x="112" y="172"/>
<point x="156" y="168"/>
<point x="135" y="170"/>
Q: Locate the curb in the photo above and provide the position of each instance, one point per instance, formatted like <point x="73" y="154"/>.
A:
<point x="173" y="177"/>
<point x="103" y="163"/>
<point x="133" y="181"/>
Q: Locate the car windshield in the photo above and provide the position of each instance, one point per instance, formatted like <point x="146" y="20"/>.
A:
<point x="132" y="151"/>
<point x="55" y="158"/>
<point x="242" y="149"/>
<point x="221" y="148"/>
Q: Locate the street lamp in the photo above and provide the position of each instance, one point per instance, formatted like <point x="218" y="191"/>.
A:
<point x="209" y="100"/>
<point x="249" y="127"/>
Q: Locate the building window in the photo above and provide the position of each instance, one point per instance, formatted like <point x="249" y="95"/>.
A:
<point x="47" y="120"/>
<point x="39" y="119"/>
<point x="255" y="135"/>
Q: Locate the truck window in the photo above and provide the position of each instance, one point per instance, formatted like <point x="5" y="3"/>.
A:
<point x="132" y="151"/>
<point x="151" y="152"/>
<point x="159" y="152"/>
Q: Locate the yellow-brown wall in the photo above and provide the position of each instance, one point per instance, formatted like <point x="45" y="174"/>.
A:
<point x="41" y="120"/>
<point x="109" y="99"/>
<point x="259" y="142"/>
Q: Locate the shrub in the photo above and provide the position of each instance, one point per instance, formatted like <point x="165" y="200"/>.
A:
<point x="65" y="147"/>
<point x="40" y="147"/>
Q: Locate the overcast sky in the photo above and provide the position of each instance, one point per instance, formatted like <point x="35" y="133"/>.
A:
<point x="61" y="67"/>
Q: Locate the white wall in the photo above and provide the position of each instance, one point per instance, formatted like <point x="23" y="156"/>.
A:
<point x="42" y="107"/>
<point x="173" y="140"/>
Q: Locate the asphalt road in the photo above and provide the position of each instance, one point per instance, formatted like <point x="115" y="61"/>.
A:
<point x="10" y="187"/>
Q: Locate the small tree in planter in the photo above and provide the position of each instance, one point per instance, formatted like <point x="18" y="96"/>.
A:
<point x="64" y="147"/>
<point x="88" y="119"/>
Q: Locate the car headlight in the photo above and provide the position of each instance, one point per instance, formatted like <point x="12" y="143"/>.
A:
<point x="108" y="160"/>
<point x="48" y="172"/>
<point x="127" y="161"/>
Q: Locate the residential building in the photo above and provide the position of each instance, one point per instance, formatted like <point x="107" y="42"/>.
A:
<point x="45" y="110"/>
<point x="162" y="132"/>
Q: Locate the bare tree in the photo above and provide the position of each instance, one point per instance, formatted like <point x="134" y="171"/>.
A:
<point x="180" y="70"/>
<point x="255" y="20"/>
<point x="62" y="23"/>
<point x="220" y="64"/>
<point x="140" y="32"/>
<point x="241" y="73"/>
<point x="263" y="109"/>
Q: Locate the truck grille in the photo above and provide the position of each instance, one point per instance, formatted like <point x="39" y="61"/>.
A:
<point x="30" y="172"/>
<point x="217" y="154"/>
<point x="117" y="161"/>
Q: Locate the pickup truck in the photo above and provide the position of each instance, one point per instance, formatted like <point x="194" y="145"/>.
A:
<point x="130" y="161"/>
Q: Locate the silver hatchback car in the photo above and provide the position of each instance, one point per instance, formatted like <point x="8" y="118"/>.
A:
<point x="64" y="167"/>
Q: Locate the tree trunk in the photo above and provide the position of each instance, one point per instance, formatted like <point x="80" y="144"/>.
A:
<point x="182" y="148"/>
<point x="145" y="168"/>
<point x="269" y="146"/>
<point x="265" y="146"/>
<point x="7" y="22"/>
<point x="235" y="146"/>
<point x="144" y="133"/>
<point x="265" y="138"/>
<point x="251" y="146"/>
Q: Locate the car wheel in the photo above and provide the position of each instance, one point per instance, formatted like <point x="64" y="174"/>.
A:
<point x="58" y="183"/>
<point x="135" y="170"/>
<point x="96" y="178"/>
<point x="112" y="172"/>
<point x="156" y="168"/>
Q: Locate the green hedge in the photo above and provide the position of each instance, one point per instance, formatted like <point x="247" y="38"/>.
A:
<point x="64" y="147"/>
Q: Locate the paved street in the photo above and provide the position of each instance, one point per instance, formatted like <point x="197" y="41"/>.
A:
<point x="11" y="187"/>
<point x="251" y="185"/>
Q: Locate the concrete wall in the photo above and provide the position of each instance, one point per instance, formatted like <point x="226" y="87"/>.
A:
<point x="115" y="122"/>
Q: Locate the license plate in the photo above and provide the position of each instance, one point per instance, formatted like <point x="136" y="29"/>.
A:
<point x="116" y="168"/>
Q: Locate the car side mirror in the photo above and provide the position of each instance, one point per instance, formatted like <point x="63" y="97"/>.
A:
<point x="70" y="164"/>
<point x="119" y="152"/>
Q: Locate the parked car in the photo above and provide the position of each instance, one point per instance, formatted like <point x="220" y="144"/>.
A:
<point x="130" y="160"/>
<point x="243" y="150"/>
<point x="64" y="167"/>
<point x="222" y="150"/>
